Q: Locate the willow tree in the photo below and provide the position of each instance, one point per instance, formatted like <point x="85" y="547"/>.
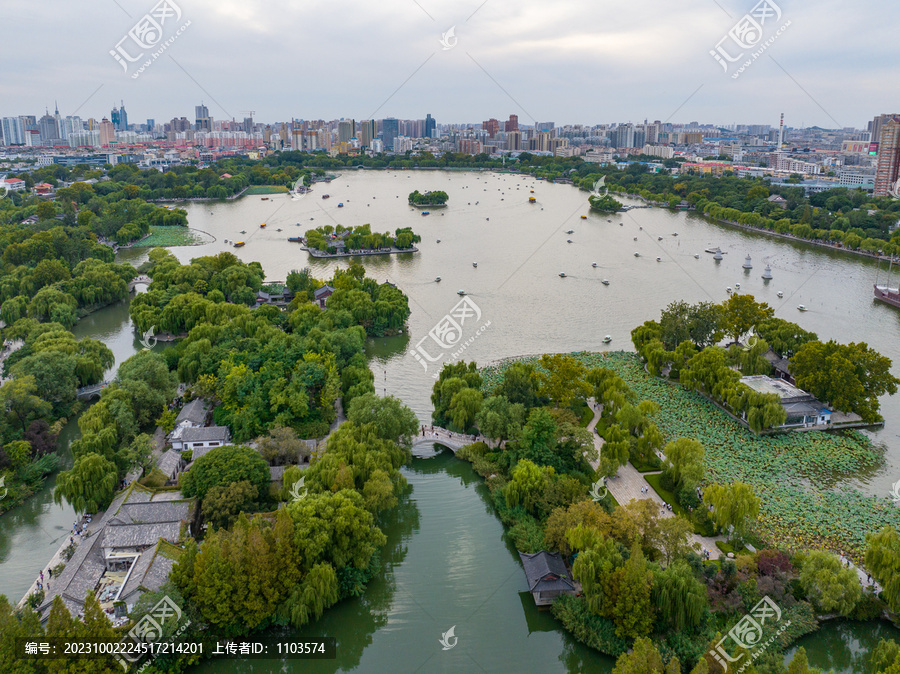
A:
<point x="734" y="505"/>
<point x="90" y="485"/>
<point x="679" y="598"/>
<point x="594" y="569"/>
<point x="883" y="560"/>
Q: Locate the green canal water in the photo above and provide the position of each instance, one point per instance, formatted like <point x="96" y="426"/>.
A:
<point x="447" y="561"/>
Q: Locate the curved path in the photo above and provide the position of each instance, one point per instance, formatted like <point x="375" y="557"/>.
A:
<point x="627" y="483"/>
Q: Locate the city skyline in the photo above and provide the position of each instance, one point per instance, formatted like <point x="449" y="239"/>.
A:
<point x="576" y="64"/>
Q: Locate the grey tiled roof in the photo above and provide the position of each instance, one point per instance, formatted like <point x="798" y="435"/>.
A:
<point x="156" y="511"/>
<point x="195" y="412"/>
<point x="140" y="535"/>
<point x="170" y="462"/>
<point x="207" y="434"/>
<point x="150" y="572"/>
<point x="545" y="572"/>
<point x="276" y="473"/>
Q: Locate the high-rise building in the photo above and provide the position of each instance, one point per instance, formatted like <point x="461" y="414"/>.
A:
<point x="13" y="130"/>
<point x="151" y="124"/>
<point x="886" y="175"/>
<point x="876" y="124"/>
<point x="390" y="130"/>
<point x="202" y="120"/>
<point x="544" y="126"/>
<point x="366" y="132"/>
<point x="623" y="136"/>
<point x="49" y="128"/>
<point x="107" y="132"/>
<point x="346" y="130"/>
<point x="512" y="124"/>
<point x="430" y="126"/>
<point x="492" y="126"/>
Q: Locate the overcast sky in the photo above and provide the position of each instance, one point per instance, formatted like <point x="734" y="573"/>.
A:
<point x="571" y="61"/>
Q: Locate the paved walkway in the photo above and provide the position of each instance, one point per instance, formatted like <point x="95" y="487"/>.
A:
<point x="8" y="350"/>
<point x="626" y="485"/>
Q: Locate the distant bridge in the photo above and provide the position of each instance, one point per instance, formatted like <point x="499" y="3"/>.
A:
<point x="93" y="391"/>
<point x="454" y="441"/>
<point x="143" y="279"/>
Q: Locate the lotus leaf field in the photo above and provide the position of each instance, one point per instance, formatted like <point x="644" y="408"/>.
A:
<point x="797" y="475"/>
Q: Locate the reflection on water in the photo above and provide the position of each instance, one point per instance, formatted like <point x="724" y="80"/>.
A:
<point x="445" y="565"/>
<point x="843" y="646"/>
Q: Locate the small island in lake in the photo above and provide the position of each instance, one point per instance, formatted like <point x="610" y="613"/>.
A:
<point x="431" y="199"/>
<point x="340" y="241"/>
<point x="604" y="204"/>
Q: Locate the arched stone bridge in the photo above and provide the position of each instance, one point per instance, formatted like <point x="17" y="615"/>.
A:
<point x="93" y="391"/>
<point x="454" y="441"/>
<point x="138" y="280"/>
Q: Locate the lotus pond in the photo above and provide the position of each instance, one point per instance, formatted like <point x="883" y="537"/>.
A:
<point x="800" y="476"/>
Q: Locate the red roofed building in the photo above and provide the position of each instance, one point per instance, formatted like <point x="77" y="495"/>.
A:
<point x="14" y="184"/>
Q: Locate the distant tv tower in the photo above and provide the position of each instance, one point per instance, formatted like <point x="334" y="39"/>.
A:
<point x="781" y="133"/>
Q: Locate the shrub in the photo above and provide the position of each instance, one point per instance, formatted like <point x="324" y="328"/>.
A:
<point x="591" y="630"/>
<point x="155" y="480"/>
<point x="527" y="535"/>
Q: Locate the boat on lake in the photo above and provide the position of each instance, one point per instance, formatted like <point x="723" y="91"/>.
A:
<point x="584" y="217"/>
<point x="423" y="212"/>
<point x="264" y="199"/>
<point x="636" y="254"/>
<point x="593" y="264"/>
<point x="262" y="226"/>
<point x="460" y="292"/>
<point x="437" y="279"/>
<point x="562" y="274"/>
<point x="714" y="250"/>
<point x="341" y="205"/>
<point x="532" y="200"/>
<point x="326" y="196"/>
<point x="659" y="259"/>
<point x="607" y="339"/>
<point x="802" y="307"/>
<point x="737" y="285"/>
<point x="696" y="256"/>
<point x="570" y="231"/>
<point x="295" y="239"/>
<point x="474" y="264"/>
<point x="605" y="282"/>
<point x="888" y="295"/>
<point x="780" y="294"/>
<point x="568" y="240"/>
<point x="238" y="244"/>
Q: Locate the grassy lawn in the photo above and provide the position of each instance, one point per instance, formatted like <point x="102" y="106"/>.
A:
<point x="727" y="546"/>
<point x="584" y="414"/>
<point x="666" y="495"/>
<point x="266" y="189"/>
<point x="174" y="235"/>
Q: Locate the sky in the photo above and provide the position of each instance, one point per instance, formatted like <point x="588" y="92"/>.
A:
<point x="835" y="64"/>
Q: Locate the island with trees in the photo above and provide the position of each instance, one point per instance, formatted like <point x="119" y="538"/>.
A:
<point x="432" y="199"/>
<point x="604" y="204"/>
<point x="340" y="241"/>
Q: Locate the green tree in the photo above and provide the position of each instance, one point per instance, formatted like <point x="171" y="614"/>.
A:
<point x="742" y="312"/>
<point x="643" y="659"/>
<point x="527" y="484"/>
<point x="851" y="377"/>
<point x="499" y="419"/>
<point x="521" y="384"/>
<point x="393" y="420"/>
<point x="674" y="537"/>
<point x="680" y="599"/>
<point x="282" y="447"/>
<point x="224" y="503"/>
<point x="565" y="379"/>
<point x="886" y="657"/>
<point x="734" y="505"/>
<point x="20" y="401"/>
<point x="829" y="585"/>
<point x="633" y="613"/>
<point x="883" y="561"/>
<point x="223" y="465"/>
<point x="464" y="407"/>
<point x="89" y="486"/>
<point x="686" y="464"/>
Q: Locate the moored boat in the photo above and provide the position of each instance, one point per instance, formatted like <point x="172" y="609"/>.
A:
<point x="888" y="295"/>
<point x="238" y="244"/>
<point x="295" y="239"/>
